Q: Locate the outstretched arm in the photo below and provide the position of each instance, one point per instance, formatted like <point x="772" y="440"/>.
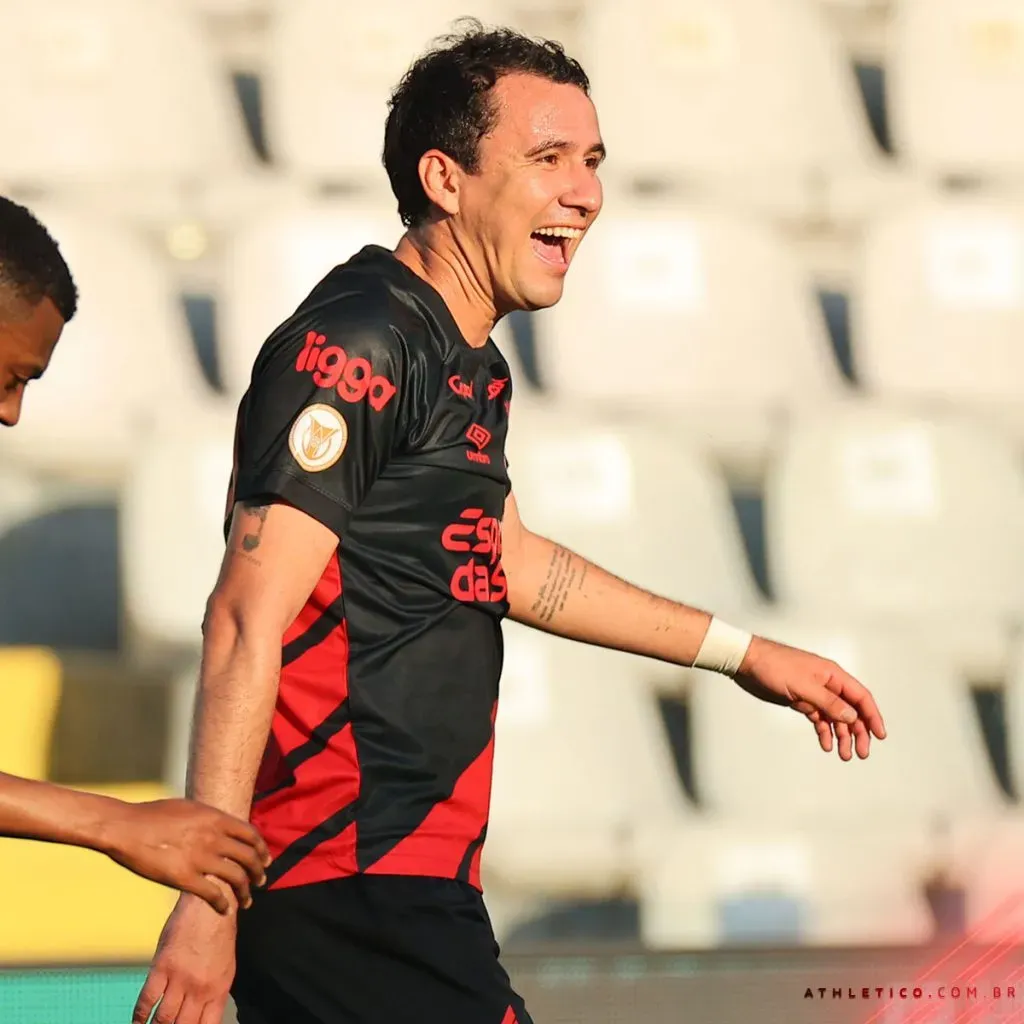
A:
<point x="556" y="590"/>
<point x="174" y="842"/>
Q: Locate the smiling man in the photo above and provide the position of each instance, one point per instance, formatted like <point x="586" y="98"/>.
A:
<point x="371" y="524"/>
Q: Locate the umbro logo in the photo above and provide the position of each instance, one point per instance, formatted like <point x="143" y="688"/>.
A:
<point x="480" y="438"/>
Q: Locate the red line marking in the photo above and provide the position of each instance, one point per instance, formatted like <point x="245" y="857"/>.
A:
<point x="1001" y="912"/>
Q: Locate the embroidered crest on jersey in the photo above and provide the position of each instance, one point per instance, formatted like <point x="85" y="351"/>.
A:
<point x="318" y="438"/>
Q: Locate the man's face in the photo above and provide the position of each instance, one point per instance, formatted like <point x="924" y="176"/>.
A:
<point x="28" y="336"/>
<point x="537" y="174"/>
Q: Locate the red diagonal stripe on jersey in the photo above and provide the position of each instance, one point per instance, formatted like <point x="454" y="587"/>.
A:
<point x="510" y="1017"/>
<point x="463" y="812"/>
<point x="325" y="593"/>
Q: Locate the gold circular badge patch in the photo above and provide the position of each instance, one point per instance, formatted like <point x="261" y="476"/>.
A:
<point x="318" y="437"/>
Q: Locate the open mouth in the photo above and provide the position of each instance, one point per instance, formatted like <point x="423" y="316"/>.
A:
<point x="553" y="245"/>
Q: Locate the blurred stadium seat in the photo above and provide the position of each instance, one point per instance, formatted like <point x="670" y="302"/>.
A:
<point x="939" y="315"/>
<point x="878" y="512"/>
<point x="325" y="117"/>
<point x="169" y="573"/>
<point x="274" y="262"/>
<point x="124" y="363"/>
<point x="744" y="100"/>
<point x="705" y="324"/>
<point x="957" y="87"/>
<point x="635" y="500"/>
<point x="795" y="820"/>
<point x="112" y="93"/>
<point x="583" y="777"/>
<point x="30" y="684"/>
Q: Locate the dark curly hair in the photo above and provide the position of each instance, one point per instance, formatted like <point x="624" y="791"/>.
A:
<point x="443" y="101"/>
<point x="31" y="266"/>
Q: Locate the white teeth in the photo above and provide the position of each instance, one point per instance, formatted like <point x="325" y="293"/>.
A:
<point x="559" y="232"/>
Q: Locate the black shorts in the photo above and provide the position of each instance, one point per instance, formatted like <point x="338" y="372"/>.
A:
<point x="372" y="949"/>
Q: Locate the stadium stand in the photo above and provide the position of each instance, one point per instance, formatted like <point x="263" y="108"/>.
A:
<point x="118" y="103"/>
<point x="325" y="116"/>
<point x="957" y="85"/>
<point x="797" y="818"/>
<point x="636" y="501"/>
<point x="125" y="362"/>
<point x="939" y="313"/>
<point x="583" y="776"/>
<point x="733" y="99"/>
<point x="872" y="510"/>
<point x="725" y="340"/>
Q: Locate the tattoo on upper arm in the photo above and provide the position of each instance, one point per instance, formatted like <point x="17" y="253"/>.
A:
<point x="566" y="571"/>
<point x="256" y="519"/>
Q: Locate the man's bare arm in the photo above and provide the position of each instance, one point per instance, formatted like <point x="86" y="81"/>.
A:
<point x="275" y="556"/>
<point x="556" y="590"/>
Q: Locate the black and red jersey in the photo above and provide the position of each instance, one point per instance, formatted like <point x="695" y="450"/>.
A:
<point x="369" y="411"/>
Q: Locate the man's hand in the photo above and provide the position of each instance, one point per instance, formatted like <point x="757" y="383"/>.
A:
<point x="191" y="974"/>
<point x="832" y="699"/>
<point x="188" y="846"/>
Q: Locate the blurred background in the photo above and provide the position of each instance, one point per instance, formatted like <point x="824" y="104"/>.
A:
<point x="784" y="384"/>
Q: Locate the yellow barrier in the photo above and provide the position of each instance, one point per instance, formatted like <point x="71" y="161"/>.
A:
<point x="57" y="903"/>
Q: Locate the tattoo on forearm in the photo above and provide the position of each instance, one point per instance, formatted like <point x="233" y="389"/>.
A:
<point x="565" y="572"/>
<point x="254" y="533"/>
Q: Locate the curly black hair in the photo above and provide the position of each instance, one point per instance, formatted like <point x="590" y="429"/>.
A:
<point x="31" y="266"/>
<point x="443" y="102"/>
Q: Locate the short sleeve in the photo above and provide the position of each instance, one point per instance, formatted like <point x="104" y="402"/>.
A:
<point x="321" y="416"/>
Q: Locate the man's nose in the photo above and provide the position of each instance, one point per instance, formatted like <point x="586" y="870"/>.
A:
<point x="10" y="409"/>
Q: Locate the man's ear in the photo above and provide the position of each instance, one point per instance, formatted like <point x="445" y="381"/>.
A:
<point x="441" y="178"/>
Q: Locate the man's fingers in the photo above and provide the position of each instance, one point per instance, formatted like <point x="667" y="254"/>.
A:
<point x="860" y="697"/>
<point x="862" y="739"/>
<point x="191" y="1010"/>
<point x="207" y="889"/>
<point x="151" y="992"/>
<point x="245" y="833"/>
<point x="213" y="1012"/>
<point x="246" y="856"/>
<point x="234" y="875"/>
<point x="170" y="1004"/>
<point x="845" y="741"/>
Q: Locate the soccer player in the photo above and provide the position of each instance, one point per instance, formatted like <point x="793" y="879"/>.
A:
<point x="353" y="640"/>
<point x="175" y="842"/>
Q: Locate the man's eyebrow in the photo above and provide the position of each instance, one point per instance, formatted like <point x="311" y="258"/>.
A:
<point x="563" y="145"/>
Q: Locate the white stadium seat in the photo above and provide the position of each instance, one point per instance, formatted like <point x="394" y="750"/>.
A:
<point x="694" y="317"/>
<point x="957" y="86"/>
<point x="168" y="574"/>
<point x="880" y="512"/>
<point x="583" y="776"/>
<point x="98" y="92"/>
<point x="939" y="314"/>
<point x="325" y="117"/>
<point x="633" y="500"/>
<point x="851" y="843"/>
<point x="124" y="363"/>
<point x="735" y="94"/>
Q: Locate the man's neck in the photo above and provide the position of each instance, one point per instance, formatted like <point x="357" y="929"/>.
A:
<point x="443" y="266"/>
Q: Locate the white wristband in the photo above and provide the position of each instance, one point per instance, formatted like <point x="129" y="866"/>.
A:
<point x="723" y="649"/>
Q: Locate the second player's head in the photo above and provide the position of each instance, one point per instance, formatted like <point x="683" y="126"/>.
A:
<point x="37" y="297"/>
<point x="492" y="146"/>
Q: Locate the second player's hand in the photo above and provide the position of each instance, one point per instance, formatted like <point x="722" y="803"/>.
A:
<point x="835" y="703"/>
<point x="188" y="846"/>
<point x="191" y="974"/>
